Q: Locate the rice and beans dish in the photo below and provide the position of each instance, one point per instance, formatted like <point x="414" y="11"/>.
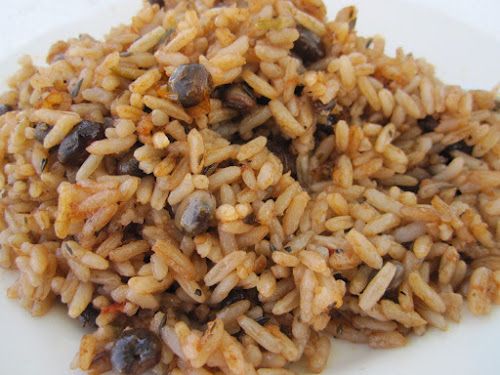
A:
<point x="222" y="187"/>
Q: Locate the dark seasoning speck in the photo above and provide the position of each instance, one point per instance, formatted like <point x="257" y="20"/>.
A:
<point x="4" y="108"/>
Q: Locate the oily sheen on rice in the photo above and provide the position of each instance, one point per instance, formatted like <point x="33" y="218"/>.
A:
<point x="225" y="186"/>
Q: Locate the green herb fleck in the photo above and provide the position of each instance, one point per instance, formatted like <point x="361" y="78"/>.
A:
<point x="270" y="24"/>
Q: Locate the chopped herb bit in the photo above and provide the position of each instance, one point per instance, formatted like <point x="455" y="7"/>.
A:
<point x="340" y="329"/>
<point x="288" y="249"/>
<point x="352" y="23"/>
<point x="197" y="292"/>
<point x="76" y="89"/>
<point x="68" y="248"/>
<point x="43" y="164"/>
<point x="272" y="247"/>
<point x="163" y="321"/>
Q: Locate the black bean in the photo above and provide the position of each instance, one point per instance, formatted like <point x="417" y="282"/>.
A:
<point x="72" y="150"/>
<point x="240" y="97"/>
<point x="308" y="47"/>
<point x="413" y="188"/>
<point x="41" y="131"/>
<point x="4" y="108"/>
<point x="407" y="245"/>
<point x="88" y="316"/>
<point x="240" y="294"/>
<point x="324" y="109"/>
<point x="228" y="163"/>
<point x="76" y="88"/>
<point x="170" y="210"/>
<point x="108" y="122"/>
<point x="398" y="276"/>
<point x="322" y="131"/>
<point x="262" y="320"/>
<point x="331" y="120"/>
<point x="281" y="148"/>
<point x="339" y="276"/>
<point x="262" y="100"/>
<point x="192" y="83"/>
<point x="195" y="213"/>
<point x="250" y="219"/>
<point x="298" y="90"/>
<point x="132" y="231"/>
<point x="459" y="146"/>
<point x="209" y="169"/>
<point x="427" y="124"/>
<point x="135" y="351"/>
<point x="326" y="129"/>
<point x="161" y="3"/>
<point x="129" y="165"/>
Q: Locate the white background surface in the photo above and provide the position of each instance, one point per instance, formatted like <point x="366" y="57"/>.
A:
<point x="462" y="38"/>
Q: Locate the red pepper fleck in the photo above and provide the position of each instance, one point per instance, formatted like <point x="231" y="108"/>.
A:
<point x="115" y="307"/>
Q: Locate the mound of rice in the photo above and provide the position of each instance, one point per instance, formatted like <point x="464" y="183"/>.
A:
<point x="224" y="186"/>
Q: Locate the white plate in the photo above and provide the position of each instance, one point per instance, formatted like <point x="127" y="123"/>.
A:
<point x="463" y="43"/>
